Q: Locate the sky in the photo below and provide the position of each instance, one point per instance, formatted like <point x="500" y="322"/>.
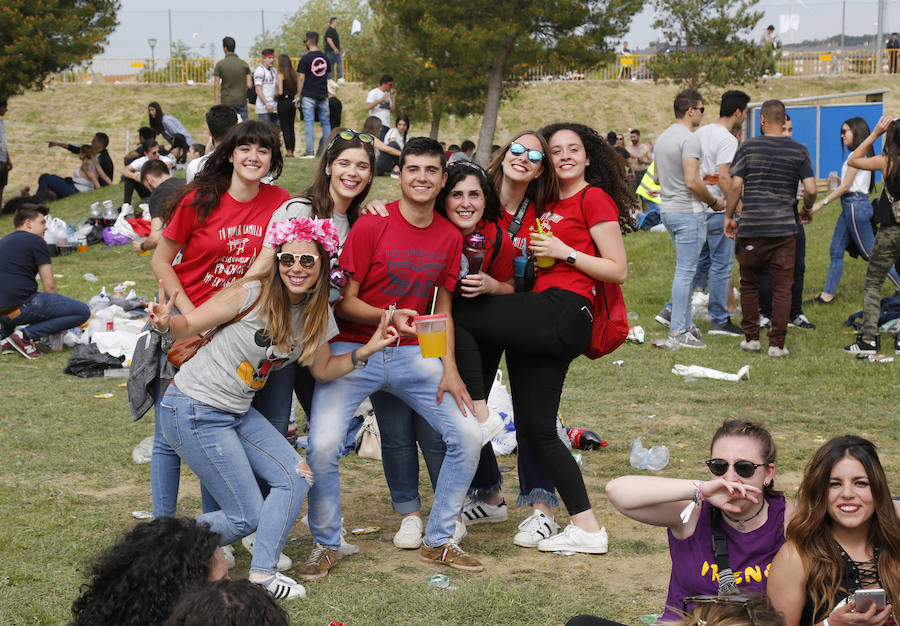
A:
<point x="203" y="26"/>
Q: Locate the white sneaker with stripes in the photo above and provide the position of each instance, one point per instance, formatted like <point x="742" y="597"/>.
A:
<point x="283" y="588"/>
<point x="536" y="527"/>
<point x="478" y="512"/>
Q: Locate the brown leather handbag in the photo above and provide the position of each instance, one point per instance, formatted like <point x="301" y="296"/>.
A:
<point x="184" y="349"/>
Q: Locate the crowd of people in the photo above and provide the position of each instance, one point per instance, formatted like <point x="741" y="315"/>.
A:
<point x="323" y="296"/>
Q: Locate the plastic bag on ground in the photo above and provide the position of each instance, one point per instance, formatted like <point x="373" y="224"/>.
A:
<point x="143" y="451"/>
<point x="653" y="459"/>
<point x="697" y="371"/>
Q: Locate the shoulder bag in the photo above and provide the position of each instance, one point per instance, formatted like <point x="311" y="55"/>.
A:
<point x="184" y="349"/>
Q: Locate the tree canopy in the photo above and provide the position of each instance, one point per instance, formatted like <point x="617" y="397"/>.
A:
<point x="40" y="37"/>
<point x="709" y="42"/>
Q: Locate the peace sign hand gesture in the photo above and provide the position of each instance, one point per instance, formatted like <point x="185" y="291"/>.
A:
<point x="161" y="310"/>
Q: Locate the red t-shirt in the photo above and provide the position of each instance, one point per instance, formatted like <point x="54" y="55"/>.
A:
<point x="219" y="251"/>
<point x="398" y="263"/>
<point x="566" y="221"/>
<point x="501" y="269"/>
<point x="521" y="237"/>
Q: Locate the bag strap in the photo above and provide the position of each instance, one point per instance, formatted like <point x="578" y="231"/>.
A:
<point x="517" y="219"/>
<point x="727" y="585"/>
<point x="212" y="333"/>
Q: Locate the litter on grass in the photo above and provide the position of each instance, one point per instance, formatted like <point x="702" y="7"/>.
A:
<point x="697" y="371"/>
<point x="103" y="396"/>
<point x="141" y="514"/>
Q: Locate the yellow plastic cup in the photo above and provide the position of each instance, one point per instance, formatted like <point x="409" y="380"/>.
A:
<point x="544" y="261"/>
<point x="431" y="331"/>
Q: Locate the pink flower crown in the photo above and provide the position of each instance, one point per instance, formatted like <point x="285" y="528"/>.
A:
<point x="305" y="229"/>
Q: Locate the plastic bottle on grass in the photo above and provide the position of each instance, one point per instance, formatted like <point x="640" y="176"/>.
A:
<point x="653" y="459"/>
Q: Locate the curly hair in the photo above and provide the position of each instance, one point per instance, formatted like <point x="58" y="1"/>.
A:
<point x="457" y="172"/>
<point x="228" y="603"/>
<point x="605" y="169"/>
<point x="810" y="527"/>
<point x="214" y="179"/>
<point x="138" y="580"/>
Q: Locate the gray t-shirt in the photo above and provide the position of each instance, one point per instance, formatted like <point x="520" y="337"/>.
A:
<point x="677" y="142"/>
<point x="301" y="207"/>
<point x="228" y="371"/>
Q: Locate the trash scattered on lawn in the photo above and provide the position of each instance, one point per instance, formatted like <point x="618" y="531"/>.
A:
<point x="103" y="396"/>
<point x="91" y="278"/>
<point x="368" y="530"/>
<point x="635" y="335"/>
<point x="143" y="451"/>
<point x="141" y="514"/>
<point x="441" y="581"/>
<point x="697" y="371"/>
<point x="653" y="459"/>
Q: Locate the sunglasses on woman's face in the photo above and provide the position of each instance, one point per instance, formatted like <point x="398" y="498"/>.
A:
<point x="517" y="149"/>
<point x="744" y="469"/>
<point x="347" y="134"/>
<point x="287" y="259"/>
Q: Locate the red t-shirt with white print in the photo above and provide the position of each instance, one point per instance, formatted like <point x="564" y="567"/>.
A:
<point x="397" y="263"/>
<point x="219" y="251"/>
<point x="566" y="220"/>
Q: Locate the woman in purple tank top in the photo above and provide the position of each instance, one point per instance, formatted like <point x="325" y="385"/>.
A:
<point x="741" y="486"/>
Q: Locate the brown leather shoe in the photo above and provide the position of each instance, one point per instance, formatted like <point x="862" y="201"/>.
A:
<point x="452" y="555"/>
<point x="319" y="562"/>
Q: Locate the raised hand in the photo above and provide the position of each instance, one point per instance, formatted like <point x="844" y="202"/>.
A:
<point x="161" y="309"/>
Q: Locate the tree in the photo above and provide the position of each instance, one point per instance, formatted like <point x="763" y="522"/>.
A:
<point x="475" y="48"/>
<point x="707" y="45"/>
<point x="40" y="37"/>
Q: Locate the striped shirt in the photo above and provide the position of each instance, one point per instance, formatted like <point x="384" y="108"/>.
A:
<point x="771" y="168"/>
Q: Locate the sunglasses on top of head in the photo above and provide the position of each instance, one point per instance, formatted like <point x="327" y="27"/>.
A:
<point x="347" y="134"/>
<point x="744" y="469"/>
<point x="535" y="156"/>
<point x="287" y="259"/>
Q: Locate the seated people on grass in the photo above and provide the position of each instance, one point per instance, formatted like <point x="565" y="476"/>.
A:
<point x="24" y="254"/>
<point x="219" y="119"/>
<point x="736" y="502"/>
<point x="139" y="579"/>
<point x="86" y="177"/>
<point x="99" y="142"/>
<point x="156" y="177"/>
<point x="131" y="175"/>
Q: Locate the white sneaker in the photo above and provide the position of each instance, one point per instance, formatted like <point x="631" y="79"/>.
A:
<point x="492" y="427"/>
<point x="229" y="555"/>
<point x="776" y="353"/>
<point x="284" y="561"/>
<point x="751" y="345"/>
<point x="478" y="512"/>
<point x="409" y="537"/>
<point x="283" y="588"/>
<point x="460" y="532"/>
<point x="576" y="540"/>
<point x="535" y="528"/>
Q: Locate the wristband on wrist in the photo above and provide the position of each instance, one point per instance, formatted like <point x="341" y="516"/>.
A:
<point x="825" y="622"/>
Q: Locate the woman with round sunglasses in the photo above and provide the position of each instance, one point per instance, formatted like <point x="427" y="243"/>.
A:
<point x="855" y="220"/>
<point x="217" y="224"/>
<point x="206" y="414"/>
<point x="578" y="242"/>
<point x="844" y="538"/>
<point x="739" y="498"/>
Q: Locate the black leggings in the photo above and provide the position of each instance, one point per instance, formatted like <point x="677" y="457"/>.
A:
<point x="287" y="113"/>
<point x="542" y="333"/>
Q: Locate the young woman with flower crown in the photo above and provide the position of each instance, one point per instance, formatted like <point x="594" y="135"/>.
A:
<point x="206" y="414"/>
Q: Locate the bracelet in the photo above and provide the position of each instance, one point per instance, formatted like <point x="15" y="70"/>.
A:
<point x="825" y="622"/>
<point x="698" y="494"/>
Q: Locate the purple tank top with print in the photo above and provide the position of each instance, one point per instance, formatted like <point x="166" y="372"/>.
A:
<point x="694" y="569"/>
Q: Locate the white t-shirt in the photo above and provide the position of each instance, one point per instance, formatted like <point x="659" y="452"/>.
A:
<point x="383" y="110"/>
<point x="195" y="166"/>
<point x="138" y="163"/>
<point x="396" y="136"/>
<point x="718" y="147"/>
<point x="860" y="182"/>
<point x="266" y="78"/>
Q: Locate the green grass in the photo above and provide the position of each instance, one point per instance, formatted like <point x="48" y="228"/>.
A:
<point x="68" y="483"/>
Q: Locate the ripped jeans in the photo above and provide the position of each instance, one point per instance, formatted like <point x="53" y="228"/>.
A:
<point x="226" y="451"/>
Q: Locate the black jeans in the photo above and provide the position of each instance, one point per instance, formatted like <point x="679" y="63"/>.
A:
<point x="287" y="113"/>
<point x="130" y="187"/>
<point x="542" y="333"/>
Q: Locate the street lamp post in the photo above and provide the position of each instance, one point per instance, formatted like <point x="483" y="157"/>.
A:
<point x="152" y="43"/>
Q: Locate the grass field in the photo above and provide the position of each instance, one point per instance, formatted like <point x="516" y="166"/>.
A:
<point x="68" y="483"/>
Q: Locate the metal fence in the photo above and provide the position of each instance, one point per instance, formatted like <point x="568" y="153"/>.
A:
<point x="624" y="67"/>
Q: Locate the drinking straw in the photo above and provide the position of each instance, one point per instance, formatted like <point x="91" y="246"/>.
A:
<point x="433" y="301"/>
<point x="540" y="228"/>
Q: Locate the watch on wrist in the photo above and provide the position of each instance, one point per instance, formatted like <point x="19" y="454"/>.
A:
<point x="357" y="364"/>
<point x="573" y="255"/>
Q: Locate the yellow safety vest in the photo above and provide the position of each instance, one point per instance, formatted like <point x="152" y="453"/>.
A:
<point x="647" y="185"/>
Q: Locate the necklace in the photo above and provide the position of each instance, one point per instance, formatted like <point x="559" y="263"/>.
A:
<point x="741" y="522"/>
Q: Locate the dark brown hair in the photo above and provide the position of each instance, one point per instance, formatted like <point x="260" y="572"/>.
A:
<point x="543" y="190"/>
<point x="319" y="193"/>
<point x="753" y="430"/>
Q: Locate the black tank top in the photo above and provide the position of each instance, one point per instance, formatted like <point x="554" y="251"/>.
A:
<point x="884" y="215"/>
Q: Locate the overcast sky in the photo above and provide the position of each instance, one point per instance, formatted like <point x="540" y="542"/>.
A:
<point x="208" y="21"/>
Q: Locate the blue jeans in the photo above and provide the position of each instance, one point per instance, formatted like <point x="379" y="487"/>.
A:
<point x="44" y="314"/>
<point x="240" y="109"/>
<point x="227" y="451"/>
<point x="335" y="65"/>
<point x="311" y="107"/>
<point x="688" y="232"/>
<point x="402" y="372"/>
<point x="855" y="221"/>
<point x="60" y="187"/>
<point x="400" y="429"/>
<point x="720" y="250"/>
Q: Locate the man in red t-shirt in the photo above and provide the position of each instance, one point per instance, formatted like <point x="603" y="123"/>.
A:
<point x="396" y="264"/>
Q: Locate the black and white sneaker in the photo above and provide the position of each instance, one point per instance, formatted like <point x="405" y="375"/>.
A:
<point x="664" y="317"/>
<point x="897" y="344"/>
<point x="478" y="512"/>
<point x="862" y="346"/>
<point x="801" y="321"/>
<point x="727" y="328"/>
<point x="534" y="528"/>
